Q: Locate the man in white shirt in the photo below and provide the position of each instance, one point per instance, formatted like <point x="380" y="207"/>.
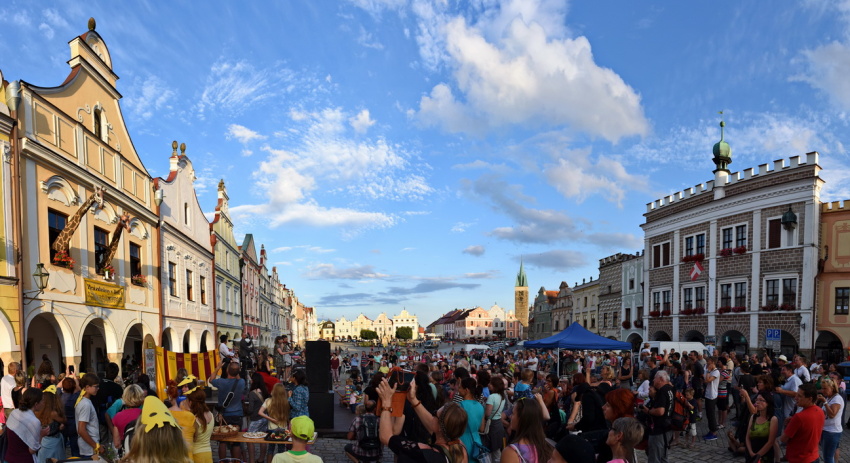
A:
<point x="712" y="381"/>
<point x="6" y="386"/>
<point x="801" y="370"/>
<point x="531" y="364"/>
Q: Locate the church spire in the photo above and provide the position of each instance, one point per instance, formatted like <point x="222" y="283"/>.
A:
<point x="521" y="279"/>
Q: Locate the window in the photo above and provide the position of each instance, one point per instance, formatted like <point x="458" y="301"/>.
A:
<point x="688" y="298"/>
<point x="631" y="283"/>
<point x="666" y="296"/>
<point x="778" y="237"/>
<point x="842" y="301"/>
<point x="190" y="294"/>
<point x="218" y="295"/>
<point x="661" y="255"/>
<point x="781" y="291"/>
<point x="701" y="243"/>
<point x="135" y="259"/>
<point x="639" y="312"/>
<point x="604" y="320"/>
<point x="740" y="235"/>
<point x="172" y="279"/>
<point x="695" y="244"/>
<point x="101" y="247"/>
<point x="186" y="213"/>
<point x="203" y="285"/>
<point x="740" y="294"/>
<point x="726" y="295"/>
<point x="789" y="291"/>
<point x="97" y="128"/>
<point x="689" y="246"/>
<point x="700" y="296"/>
<point x="593" y="322"/>
<point x="55" y="224"/>
<point x="774" y="233"/>
<point x="628" y="313"/>
<point x="656" y="301"/>
<point x="556" y="325"/>
<point x="726" y="238"/>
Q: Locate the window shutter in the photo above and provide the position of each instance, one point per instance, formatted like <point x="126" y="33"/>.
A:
<point x="666" y="253"/>
<point x="774" y="234"/>
<point x="656" y="256"/>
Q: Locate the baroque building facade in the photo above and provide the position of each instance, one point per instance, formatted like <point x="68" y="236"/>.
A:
<point x="833" y="313"/>
<point x="631" y="301"/>
<point x="87" y="214"/>
<point x="228" y="284"/>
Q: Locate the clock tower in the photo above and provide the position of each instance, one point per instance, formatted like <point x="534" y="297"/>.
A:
<point x="521" y="297"/>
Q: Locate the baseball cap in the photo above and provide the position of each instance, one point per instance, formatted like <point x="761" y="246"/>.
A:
<point x="302" y="428"/>
<point x="783" y="358"/>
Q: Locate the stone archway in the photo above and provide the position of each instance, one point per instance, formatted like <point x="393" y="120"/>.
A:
<point x="636" y="340"/>
<point x="828" y="346"/>
<point x="133" y="346"/>
<point x="207" y="342"/>
<point x="168" y="339"/>
<point x="93" y="347"/>
<point x="788" y="344"/>
<point x="44" y="337"/>
<point x="661" y="336"/>
<point x="693" y="336"/>
<point x="190" y="342"/>
<point x="733" y="341"/>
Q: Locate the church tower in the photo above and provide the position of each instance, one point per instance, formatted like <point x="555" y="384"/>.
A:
<point x="521" y="297"/>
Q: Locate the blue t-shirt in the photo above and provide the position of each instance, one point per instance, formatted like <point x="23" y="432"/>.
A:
<point x="224" y="386"/>
<point x="474" y="414"/>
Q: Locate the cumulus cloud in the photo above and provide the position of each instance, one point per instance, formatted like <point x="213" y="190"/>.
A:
<point x="578" y="177"/>
<point x="149" y="97"/>
<point x="827" y="70"/>
<point x="461" y="227"/>
<point x="514" y="65"/>
<point x="558" y="259"/>
<point x="476" y="250"/>
<point x="242" y="134"/>
<point x="361" y="122"/>
<point x="46" y="30"/>
<point x="322" y="157"/>
<point x="330" y="271"/>
<point x="52" y="17"/>
<point x="367" y="40"/>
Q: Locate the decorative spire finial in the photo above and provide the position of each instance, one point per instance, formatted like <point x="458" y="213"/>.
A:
<point x="174" y="148"/>
<point x="92" y="24"/>
<point x="182" y="149"/>
<point x="221" y="185"/>
<point x="722" y="124"/>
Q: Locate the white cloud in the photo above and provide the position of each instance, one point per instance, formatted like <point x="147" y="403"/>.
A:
<point x="330" y="271"/>
<point x="577" y="177"/>
<point x="54" y="18"/>
<point x="46" y="30"/>
<point x="361" y="122"/>
<point x="247" y="152"/>
<point x="234" y="86"/>
<point x="149" y="97"/>
<point x="377" y="7"/>
<point x="461" y="227"/>
<point x="306" y="247"/>
<point x="367" y="40"/>
<point x="476" y="250"/>
<point x="514" y="67"/>
<point x="21" y="18"/>
<point x="828" y="68"/>
<point x="243" y="134"/>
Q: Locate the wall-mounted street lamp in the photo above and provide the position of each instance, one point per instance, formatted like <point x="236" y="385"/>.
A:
<point x="41" y="276"/>
<point x="158" y="196"/>
<point x="789" y="220"/>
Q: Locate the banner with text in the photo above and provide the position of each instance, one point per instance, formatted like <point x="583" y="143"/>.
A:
<point x="102" y="294"/>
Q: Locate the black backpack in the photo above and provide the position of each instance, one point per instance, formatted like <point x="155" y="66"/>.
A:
<point x="129" y="431"/>
<point x="370" y="440"/>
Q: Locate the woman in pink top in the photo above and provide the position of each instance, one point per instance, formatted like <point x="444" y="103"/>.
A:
<point x="133" y="399"/>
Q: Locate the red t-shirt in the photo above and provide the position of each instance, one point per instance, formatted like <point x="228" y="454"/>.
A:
<point x="803" y="432"/>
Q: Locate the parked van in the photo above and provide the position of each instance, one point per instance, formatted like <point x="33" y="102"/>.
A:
<point x="658" y="347"/>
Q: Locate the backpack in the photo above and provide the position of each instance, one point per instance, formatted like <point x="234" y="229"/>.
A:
<point x="370" y="440"/>
<point x="129" y="431"/>
<point x="679" y="416"/>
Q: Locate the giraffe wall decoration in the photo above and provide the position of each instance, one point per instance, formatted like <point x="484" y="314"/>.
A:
<point x="123" y="224"/>
<point x="64" y="239"/>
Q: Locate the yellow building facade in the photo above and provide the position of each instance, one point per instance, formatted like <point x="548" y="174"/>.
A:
<point x="89" y="216"/>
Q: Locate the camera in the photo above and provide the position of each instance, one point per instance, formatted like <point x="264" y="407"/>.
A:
<point x="400" y="380"/>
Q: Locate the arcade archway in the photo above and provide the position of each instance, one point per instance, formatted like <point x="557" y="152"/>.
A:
<point x="733" y="341"/>
<point x="661" y="336"/>
<point x="635" y="340"/>
<point x="133" y="343"/>
<point x="44" y="338"/>
<point x="93" y="348"/>
<point x="828" y="346"/>
<point x="693" y="336"/>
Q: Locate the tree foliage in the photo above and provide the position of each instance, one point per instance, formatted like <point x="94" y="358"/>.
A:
<point x="404" y="332"/>
<point x="368" y="335"/>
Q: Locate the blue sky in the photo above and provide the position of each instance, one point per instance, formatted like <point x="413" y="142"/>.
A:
<point x="394" y="153"/>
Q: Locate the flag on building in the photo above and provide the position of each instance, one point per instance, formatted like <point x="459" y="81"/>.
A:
<point x="696" y="271"/>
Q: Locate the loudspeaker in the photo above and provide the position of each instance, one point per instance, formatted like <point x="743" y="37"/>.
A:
<point x="319" y="366"/>
<point x="321" y="407"/>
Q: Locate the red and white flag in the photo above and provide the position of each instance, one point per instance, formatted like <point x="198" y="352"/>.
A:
<point x="696" y="271"/>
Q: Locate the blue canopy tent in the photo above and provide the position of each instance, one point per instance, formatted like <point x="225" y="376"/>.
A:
<point x="577" y="337"/>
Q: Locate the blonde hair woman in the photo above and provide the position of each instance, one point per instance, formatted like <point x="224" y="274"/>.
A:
<point x="833" y="407"/>
<point x="158" y="438"/>
<point x="276" y="410"/>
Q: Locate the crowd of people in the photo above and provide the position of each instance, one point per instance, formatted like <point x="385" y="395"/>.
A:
<point x="529" y="406"/>
<point x="524" y="406"/>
